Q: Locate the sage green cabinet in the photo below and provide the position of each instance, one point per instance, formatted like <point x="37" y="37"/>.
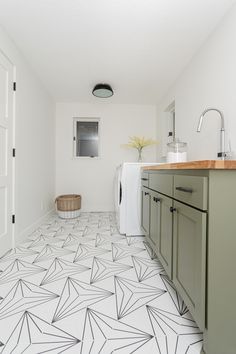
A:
<point x="164" y="250"/>
<point x="160" y="230"/>
<point x="145" y="210"/>
<point x="154" y="220"/>
<point x="203" y="248"/>
<point x="177" y="233"/>
<point x="189" y="258"/>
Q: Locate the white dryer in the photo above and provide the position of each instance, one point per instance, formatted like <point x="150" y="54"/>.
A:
<point x="128" y="197"/>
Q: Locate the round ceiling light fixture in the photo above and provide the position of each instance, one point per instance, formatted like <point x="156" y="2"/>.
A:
<point x="102" y="91"/>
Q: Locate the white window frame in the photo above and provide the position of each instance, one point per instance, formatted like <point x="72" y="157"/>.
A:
<point x="86" y="119"/>
<point x="169" y="123"/>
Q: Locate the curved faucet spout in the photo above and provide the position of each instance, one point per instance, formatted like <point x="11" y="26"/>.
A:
<point x="221" y="154"/>
<point x="208" y="110"/>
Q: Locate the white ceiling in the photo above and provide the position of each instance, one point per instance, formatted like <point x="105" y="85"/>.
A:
<point x="138" y="46"/>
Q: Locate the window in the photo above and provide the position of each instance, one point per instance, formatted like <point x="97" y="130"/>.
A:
<point x="86" y="137"/>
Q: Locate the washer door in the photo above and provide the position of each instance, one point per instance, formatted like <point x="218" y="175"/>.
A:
<point x="120" y="193"/>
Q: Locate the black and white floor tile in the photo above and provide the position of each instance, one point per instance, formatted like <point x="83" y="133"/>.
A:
<point x="78" y="286"/>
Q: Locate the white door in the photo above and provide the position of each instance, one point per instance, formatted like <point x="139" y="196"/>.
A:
<point x="6" y="159"/>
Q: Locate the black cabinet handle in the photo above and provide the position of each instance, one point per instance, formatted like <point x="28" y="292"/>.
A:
<point x="144" y="179"/>
<point x="146" y="193"/>
<point x="155" y="199"/>
<point x="184" y="189"/>
<point x="172" y="209"/>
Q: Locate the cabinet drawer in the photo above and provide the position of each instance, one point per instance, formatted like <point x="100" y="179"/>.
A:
<point x="162" y="183"/>
<point x="144" y="179"/>
<point x="191" y="190"/>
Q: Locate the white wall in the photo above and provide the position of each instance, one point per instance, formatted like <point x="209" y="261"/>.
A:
<point x="93" y="178"/>
<point x="34" y="143"/>
<point x="208" y="80"/>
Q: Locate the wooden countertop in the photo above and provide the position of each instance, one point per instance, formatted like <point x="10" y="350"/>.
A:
<point x="196" y="165"/>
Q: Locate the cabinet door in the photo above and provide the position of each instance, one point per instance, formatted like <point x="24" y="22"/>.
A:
<point x="154" y="219"/>
<point x="189" y="257"/>
<point x="145" y="210"/>
<point x="165" y="234"/>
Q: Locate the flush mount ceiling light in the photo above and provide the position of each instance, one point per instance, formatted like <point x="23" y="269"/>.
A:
<point x="102" y="91"/>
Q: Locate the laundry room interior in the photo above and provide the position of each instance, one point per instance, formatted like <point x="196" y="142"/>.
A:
<point x="117" y="176"/>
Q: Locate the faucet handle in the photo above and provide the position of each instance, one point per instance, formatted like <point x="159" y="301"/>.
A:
<point x="229" y="155"/>
<point x="222" y="155"/>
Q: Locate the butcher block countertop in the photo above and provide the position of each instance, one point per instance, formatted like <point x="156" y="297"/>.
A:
<point x="195" y="165"/>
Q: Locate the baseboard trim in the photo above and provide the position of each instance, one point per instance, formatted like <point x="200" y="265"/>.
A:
<point x="28" y="230"/>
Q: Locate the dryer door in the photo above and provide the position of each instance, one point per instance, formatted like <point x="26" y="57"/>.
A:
<point x="120" y="193"/>
<point x="117" y="194"/>
<point x="117" y="188"/>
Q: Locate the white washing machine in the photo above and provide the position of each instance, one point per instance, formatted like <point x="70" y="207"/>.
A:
<point x="128" y="197"/>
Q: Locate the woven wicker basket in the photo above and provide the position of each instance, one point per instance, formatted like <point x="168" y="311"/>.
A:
<point x="67" y="205"/>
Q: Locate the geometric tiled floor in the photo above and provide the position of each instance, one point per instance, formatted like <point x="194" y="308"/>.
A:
<point x="78" y="286"/>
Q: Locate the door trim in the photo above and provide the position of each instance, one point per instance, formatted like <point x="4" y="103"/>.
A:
<point x="11" y="73"/>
